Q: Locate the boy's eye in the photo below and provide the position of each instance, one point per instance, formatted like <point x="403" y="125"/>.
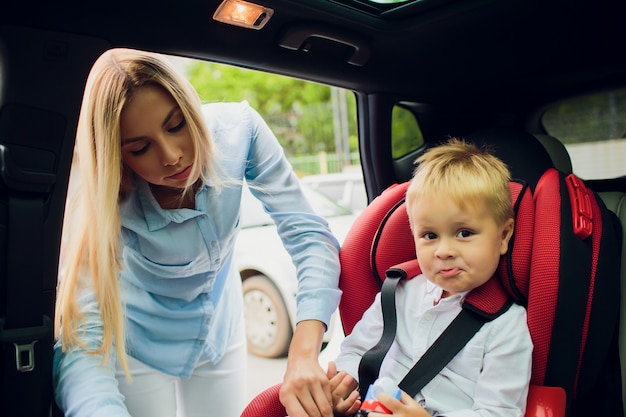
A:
<point x="429" y="236"/>
<point x="464" y="233"/>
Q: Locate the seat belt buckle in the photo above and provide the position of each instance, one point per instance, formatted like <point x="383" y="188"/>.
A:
<point x="25" y="356"/>
<point x="23" y="340"/>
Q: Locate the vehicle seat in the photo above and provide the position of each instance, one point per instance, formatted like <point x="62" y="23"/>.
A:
<point x="616" y="202"/>
<point x="557" y="151"/>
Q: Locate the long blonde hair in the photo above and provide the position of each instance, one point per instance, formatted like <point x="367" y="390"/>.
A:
<point x="92" y="233"/>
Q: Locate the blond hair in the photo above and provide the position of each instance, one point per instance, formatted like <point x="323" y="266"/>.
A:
<point x="466" y="174"/>
<point x="93" y="238"/>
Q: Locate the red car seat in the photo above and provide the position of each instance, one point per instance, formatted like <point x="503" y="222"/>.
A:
<point x="563" y="265"/>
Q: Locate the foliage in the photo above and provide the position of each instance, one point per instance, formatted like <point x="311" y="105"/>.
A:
<point x="406" y="135"/>
<point x="299" y="112"/>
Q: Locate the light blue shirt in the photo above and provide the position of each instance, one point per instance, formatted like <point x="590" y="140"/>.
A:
<point x="178" y="280"/>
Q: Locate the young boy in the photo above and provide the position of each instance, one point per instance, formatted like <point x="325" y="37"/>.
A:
<point x="461" y="217"/>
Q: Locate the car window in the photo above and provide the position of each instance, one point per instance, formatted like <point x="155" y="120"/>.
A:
<point x="346" y="188"/>
<point x="315" y="123"/>
<point x="253" y="214"/>
<point x="406" y="135"/>
<point x="593" y="130"/>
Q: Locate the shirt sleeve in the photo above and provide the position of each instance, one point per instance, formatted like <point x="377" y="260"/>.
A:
<point x="84" y="384"/>
<point x="306" y="236"/>
<point x="363" y="337"/>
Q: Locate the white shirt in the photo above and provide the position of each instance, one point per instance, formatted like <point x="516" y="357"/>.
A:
<point x="488" y="377"/>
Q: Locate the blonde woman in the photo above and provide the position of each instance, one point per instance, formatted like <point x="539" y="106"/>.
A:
<point x="149" y="308"/>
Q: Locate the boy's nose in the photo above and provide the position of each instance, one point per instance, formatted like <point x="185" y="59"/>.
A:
<point x="445" y="249"/>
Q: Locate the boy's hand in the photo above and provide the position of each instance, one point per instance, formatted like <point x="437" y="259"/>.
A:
<point x="343" y="390"/>
<point x="405" y="407"/>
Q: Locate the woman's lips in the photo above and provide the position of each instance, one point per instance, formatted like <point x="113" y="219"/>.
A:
<point x="182" y="175"/>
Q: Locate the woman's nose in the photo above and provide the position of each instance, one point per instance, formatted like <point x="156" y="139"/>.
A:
<point x="170" y="154"/>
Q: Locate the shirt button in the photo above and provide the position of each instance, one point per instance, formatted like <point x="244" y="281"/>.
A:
<point x="428" y="317"/>
<point x="205" y="296"/>
<point x="213" y="243"/>
<point x="217" y="261"/>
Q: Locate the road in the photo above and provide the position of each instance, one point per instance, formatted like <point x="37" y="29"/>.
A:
<point x="263" y="373"/>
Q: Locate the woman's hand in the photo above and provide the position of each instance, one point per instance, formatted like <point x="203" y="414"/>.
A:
<point x="306" y="391"/>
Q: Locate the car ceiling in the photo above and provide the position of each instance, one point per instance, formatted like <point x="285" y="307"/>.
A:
<point x="503" y="52"/>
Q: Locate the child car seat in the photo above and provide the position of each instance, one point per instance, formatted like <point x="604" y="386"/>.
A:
<point x="562" y="264"/>
<point x="613" y="194"/>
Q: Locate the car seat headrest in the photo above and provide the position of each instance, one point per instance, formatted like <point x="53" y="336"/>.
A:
<point x="557" y="151"/>
<point x="525" y="156"/>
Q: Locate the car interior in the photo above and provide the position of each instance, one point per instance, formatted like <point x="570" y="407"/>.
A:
<point x="420" y="71"/>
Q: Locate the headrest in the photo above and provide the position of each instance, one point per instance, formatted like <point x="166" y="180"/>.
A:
<point x="557" y="151"/>
<point x="525" y="156"/>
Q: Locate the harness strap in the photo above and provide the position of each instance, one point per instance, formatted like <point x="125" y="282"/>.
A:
<point x="448" y="344"/>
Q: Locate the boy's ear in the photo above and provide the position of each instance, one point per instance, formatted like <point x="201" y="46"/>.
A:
<point x="507" y="232"/>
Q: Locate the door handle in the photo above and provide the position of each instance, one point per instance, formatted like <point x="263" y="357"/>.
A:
<point x="296" y="39"/>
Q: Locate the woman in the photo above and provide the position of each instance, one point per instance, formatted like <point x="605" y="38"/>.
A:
<point x="149" y="309"/>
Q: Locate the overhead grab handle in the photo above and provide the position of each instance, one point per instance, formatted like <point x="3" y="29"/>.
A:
<point x="296" y="39"/>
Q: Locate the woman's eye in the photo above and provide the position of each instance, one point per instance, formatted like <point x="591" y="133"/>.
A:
<point x="140" y="151"/>
<point x="178" y="126"/>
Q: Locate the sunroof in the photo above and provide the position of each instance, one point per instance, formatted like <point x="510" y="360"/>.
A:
<point x="388" y="8"/>
<point x="390" y="1"/>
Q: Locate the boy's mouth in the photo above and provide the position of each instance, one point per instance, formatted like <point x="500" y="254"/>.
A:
<point x="450" y="272"/>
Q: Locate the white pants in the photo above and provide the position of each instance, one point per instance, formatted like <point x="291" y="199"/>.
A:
<point x="212" y="390"/>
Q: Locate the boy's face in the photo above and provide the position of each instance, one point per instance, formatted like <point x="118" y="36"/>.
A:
<point x="458" y="250"/>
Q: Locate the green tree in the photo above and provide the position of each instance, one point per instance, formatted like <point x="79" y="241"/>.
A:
<point x="299" y="112"/>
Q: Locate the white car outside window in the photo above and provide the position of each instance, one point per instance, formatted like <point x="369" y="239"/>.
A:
<point x="269" y="276"/>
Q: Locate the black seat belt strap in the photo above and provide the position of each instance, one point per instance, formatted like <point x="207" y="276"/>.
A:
<point x="25" y="238"/>
<point x="369" y="366"/>
<point x="440" y="353"/>
<point x="26" y="331"/>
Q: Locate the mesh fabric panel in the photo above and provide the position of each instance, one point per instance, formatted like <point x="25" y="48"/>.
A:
<point x="266" y="404"/>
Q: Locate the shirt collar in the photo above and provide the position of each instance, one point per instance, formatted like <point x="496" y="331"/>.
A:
<point x="435" y="291"/>
<point x="156" y="217"/>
